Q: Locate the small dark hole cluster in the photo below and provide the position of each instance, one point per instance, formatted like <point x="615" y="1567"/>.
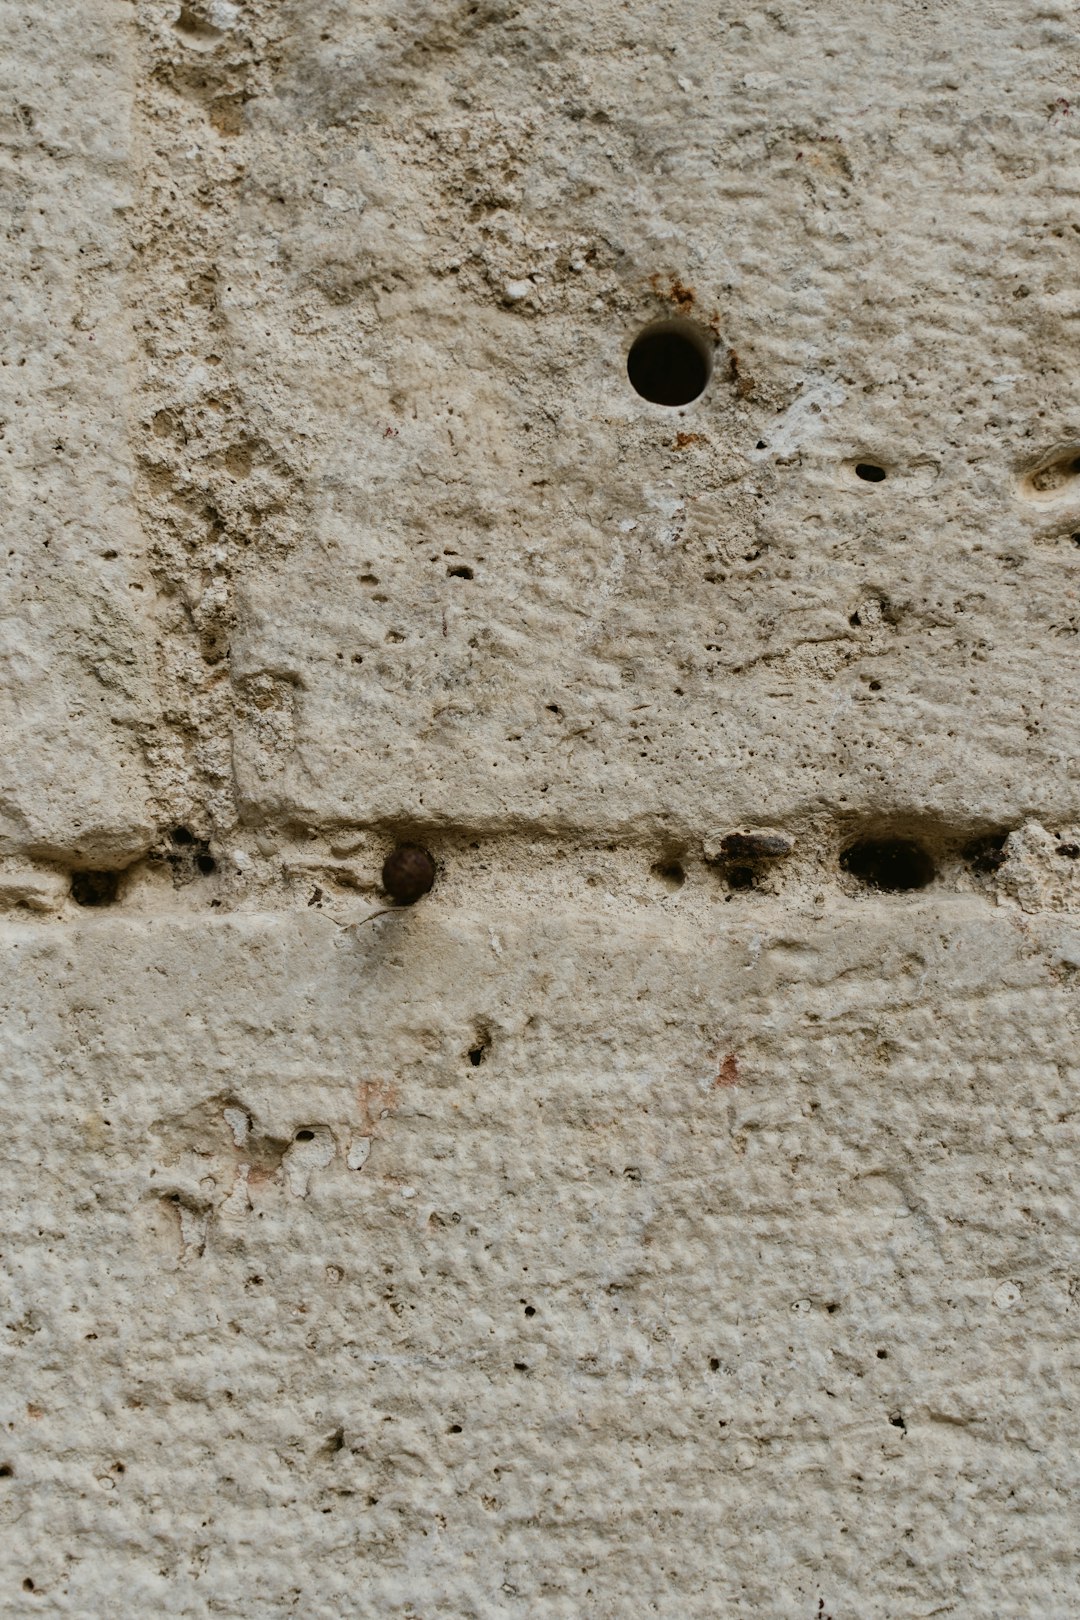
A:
<point x="189" y="854"/>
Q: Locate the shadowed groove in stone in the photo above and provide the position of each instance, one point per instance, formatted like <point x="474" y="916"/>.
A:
<point x="890" y="864"/>
<point x="94" y="888"/>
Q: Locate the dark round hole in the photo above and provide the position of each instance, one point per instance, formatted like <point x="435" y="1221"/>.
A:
<point x="892" y="864"/>
<point x="408" y="872"/>
<point x="304" y="1136"/>
<point x="869" y="471"/>
<point x="206" y="864"/>
<point x="668" y="364"/>
<point x="182" y="835"/>
<point x="670" y="873"/>
<point x="740" y="877"/>
<point x="94" y="888"/>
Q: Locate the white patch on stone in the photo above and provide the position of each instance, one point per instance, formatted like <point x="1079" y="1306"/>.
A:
<point x="303" y="1157"/>
<point x="1006" y="1296"/>
<point x="359" y="1151"/>
<point x="239" y="1123"/>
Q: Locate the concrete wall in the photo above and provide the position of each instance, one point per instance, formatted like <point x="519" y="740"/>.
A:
<point x="674" y="1211"/>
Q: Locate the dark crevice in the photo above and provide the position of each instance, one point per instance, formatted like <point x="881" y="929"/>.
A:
<point x="95" y="888"/>
<point x="477" y="1053"/>
<point x="986" y="854"/>
<point x="893" y="865"/>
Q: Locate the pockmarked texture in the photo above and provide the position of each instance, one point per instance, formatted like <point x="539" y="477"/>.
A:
<point x="470" y="1266"/>
<point x="540" y="926"/>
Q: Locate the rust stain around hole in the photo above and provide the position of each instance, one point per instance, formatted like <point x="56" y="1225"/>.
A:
<point x="677" y="292"/>
<point x="681" y="294"/>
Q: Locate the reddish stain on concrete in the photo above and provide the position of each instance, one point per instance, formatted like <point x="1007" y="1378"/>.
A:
<point x="729" y="1072"/>
<point x="375" y="1098"/>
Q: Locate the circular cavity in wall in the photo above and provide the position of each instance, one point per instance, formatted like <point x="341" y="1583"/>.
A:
<point x="670" y="362"/>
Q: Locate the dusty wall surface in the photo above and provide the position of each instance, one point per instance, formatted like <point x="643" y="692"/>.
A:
<point x="673" y="1212"/>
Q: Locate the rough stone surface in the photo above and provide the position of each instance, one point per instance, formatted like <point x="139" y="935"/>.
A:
<point x="665" y="1214"/>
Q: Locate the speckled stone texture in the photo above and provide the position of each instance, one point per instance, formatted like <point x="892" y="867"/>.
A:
<point x="673" y="1212"/>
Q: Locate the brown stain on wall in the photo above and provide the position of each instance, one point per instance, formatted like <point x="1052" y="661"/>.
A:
<point x="729" y="1072"/>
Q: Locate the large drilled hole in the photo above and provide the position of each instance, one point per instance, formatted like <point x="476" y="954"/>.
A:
<point x="870" y="472"/>
<point x="892" y="864"/>
<point x="669" y="363"/>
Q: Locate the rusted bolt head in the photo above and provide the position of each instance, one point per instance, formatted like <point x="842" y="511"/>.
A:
<point x="408" y="872"/>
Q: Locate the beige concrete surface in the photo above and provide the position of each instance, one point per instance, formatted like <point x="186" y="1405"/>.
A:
<point x="673" y="1213"/>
